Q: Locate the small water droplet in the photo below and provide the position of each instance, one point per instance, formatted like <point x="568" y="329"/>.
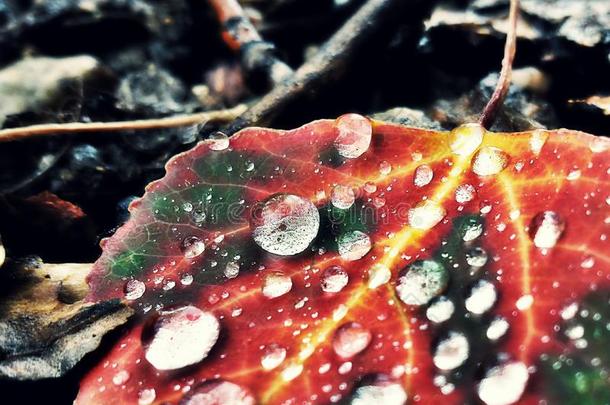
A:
<point x="472" y="231"/>
<point x="574" y="175"/>
<point x="186" y="279"/>
<point x="524" y="302"/>
<point x="218" y="141"/>
<point x="426" y="215"/>
<point x="187" y="206"/>
<point x="249" y="166"/>
<point x="351" y="339"/>
<point x="192" y="247"/>
<point x="353" y="245"/>
<point x="370" y="187"/>
<point x="497" y="328"/>
<point x="292" y="371"/>
<point x="231" y="270"/>
<point x="440" y="310"/>
<point x="464" y="193"/>
<point x="217" y="392"/>
<point x="134" y="289"/>
<point x="421" y="281"/>
<point x="273" y="356"/>
<point x="147" y="396"/>
<point x="276" y="284"/>
<point x="379" y="274"/>
<point x="504" y="384"/>
<point x="451" y="352"/>
<point x="546" y="229"/>
<point x="588" y="262"/>
<point x="334" y="279"/>
<point x="198" y="216"/>
<point x="482" y="297"/>
<point x="537" y="141"/>
<point x="476" y="257"/>
<point x="599" y="144"/>
<point x="489" y="161"/>
<point x="465" y="139"/>
<point x="121" y="377"/>
<point x="354" y="135"/>
<point x="342" y="197"/>
<point x="385" y="168"/>
<point x="423" y="176"/>
<point x="379" y="389"/>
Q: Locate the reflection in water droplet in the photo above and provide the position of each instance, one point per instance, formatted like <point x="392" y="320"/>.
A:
<point x="489" y="161"/>
<point x="425" y="215"/>
<point x="380" y="390"/>
<point x="451" y="352"/>
<point x="273" y="356"/>
<point x="476" y="257"/>
<point x="353" y="245"/>
<point x="342" y="197"/>
<point x="334" y="279"/>
<point x="440" y="310"/>
<point x="497" y="328"/>
<point x="423" y="176"/>
<point x="464" y="193"/>
<point x="276" y="284"/>
<point x="354" y="138"/>
<point x="180" y="338"/>
<point x="465" y="139"/>
<point x="231" y="270"/>
<point x="421" y="281"/>
<point x="192" y="247"/>
<point x="504" y="384"/>
<point x="482" y="297"/>
<point x="537" y="141"/>
<point x="351" y="339"/>
<point x="546" y="229"/>
<point x="218" y="392"/>
<point x="286" y="224"/>
<point x="379" y="274"/>
<point x="218" y="141"/>
<point x="134" y="289"/>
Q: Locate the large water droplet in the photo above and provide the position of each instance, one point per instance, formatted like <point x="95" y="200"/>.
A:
<point x="381" y="390"/>
<point x="192" y="247"/>
<point x="273" y="356"/>
<point x="451" y="352"/>
<point x="425" y="215"/>
<point x="342" y="197"/>
<point x="464" y="193"/>
<point x="355" y="133"/>
<point x="134" y="289"/>
<point x="465" y="139"/>
<point x="546" y="229"/>
<point x="489" y="161"/>
<point x="421" y="281"/>
<point x="334" y="279"/>
<point x="351" y="339"/>
<point x="353" y="245"/>
<point x="218" y="141"/>
<point x="504" y="384"/>
<point x="180" y="338"/>
<point x="276" y="284"/>
<point x="218" y="392"/>
<point x="482" y="297"/>
<point x="379" y="274"/>
<point x="286" y="224"/>
<point x="440" y="310"/>
<point x="423" y="176"/>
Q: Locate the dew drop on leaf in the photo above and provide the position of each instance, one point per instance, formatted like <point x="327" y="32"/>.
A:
<point x="451" y="352"/>
<point x="147" y="396"/>
<point x="476" y="257"/>
<point x="273" y="356"/>
<point x="218" y="141"/>
<point x="465" y="139"/>
<point x="504" y="384"/>
<point x="426" y="215"/>
<point x="482" y="297"/>
<point x="423" y="176"/>
<point x="379" y="274"/>
<point x="134" y="289"/>
<point x="333" y="279"/>
<point x="422" y="281"/>
<point x="537" y="141"/>
<point x="276" y="284"/>
<point x="546" y="229"/>
<point x="285" y="224"/>
<point x="198" y="215"/>
<point x="354" y="135"/>
<point x="440" y="310"/>
<point x="342" y="197"/>
<point x="192" y="247"/>
<point x="218" y="392"/>
<point x="369" y="187"/>
<point x="351" y="339"/>
<point x="379" y="389"/>
<point x="121" y="377"/>
<point x="497" y="328"/>
<point x="353" y="245"/>
<point x="180" y="337"/>
<point x="385" y="168"/>
<point x="472" y="231"/>
<point x="489" y="161"/>
<point x="464" y="193"/>
<point x="231" y="270"/>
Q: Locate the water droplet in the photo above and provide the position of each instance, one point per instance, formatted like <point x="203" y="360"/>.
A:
<point x="286" y="224"/>
<point x="276" y="284"/>
<point x="423" y="176"/>
<point x="379" y="389"/>
<point x="472" y="231"/>
<point x="134" y="289"/>
<point x="537" y="141"/>
<point x="464" y="193"/>
<point x="292" y="371"/>
<point x="524" y="302"/>
<point x="192" y="247"/>
<point x="370" y="187"/>
<point x="385" y="168"/>
<point x="379" y="274"/>
<point x="546" y="229"/>
<point x="497" y="328"/>
<point x="147" y="396"/>
<point x="218" y="141"/>
<point x="353" y="245"/>
<point x="180" y="338"/>
<point x="334" y="279"/>
<point x="588" y="262"/>
<point x="217" y="392"/>
<point x="186" y="279"/>
<point x="351" y="339"/>
<point x="121" y="377"/>
<point x="187" y="206"/>
<point x="354" y="135"/>
<point x="599" y="144"/>
<point x="504" y="384"/>
<point x="273" y="356"/>
<point x="465" y="139"/>
<point x="231" y="270"/>
<point x="476" y="257"/>
<point x="574" y="175"/>
<point x="425" y="215"/>
<point x="489" y="161"/>
<point x="342" y="197"/>
<point x="421" y="281"/>
<point x="440" y="310"/>
<point x="198" y="216"/>
<point x="249" y="166"/>
<point x="451" y="352"/>
<point x="482" y="297"/>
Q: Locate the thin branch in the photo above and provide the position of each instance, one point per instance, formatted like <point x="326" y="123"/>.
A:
<point x="333" y="56"/>
<point x="510" y="48"/>
<point x="241" y="35"/>
<point x="12" y="134"/>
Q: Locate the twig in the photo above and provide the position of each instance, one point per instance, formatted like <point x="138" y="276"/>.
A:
<point x="12" y="134"/>
<point x="510" y="48"/>
<point x="241" y="35"/>
<point x="333" y="55"/>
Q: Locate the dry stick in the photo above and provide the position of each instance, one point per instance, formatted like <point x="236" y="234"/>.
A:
<point x="334" y="54"/>
<point x="241" y="35"/>
<point x="510" y="48"/>
<point x="12" y="134"/>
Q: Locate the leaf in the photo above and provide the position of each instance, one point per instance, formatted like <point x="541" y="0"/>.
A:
<point x="471" y="232"/>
